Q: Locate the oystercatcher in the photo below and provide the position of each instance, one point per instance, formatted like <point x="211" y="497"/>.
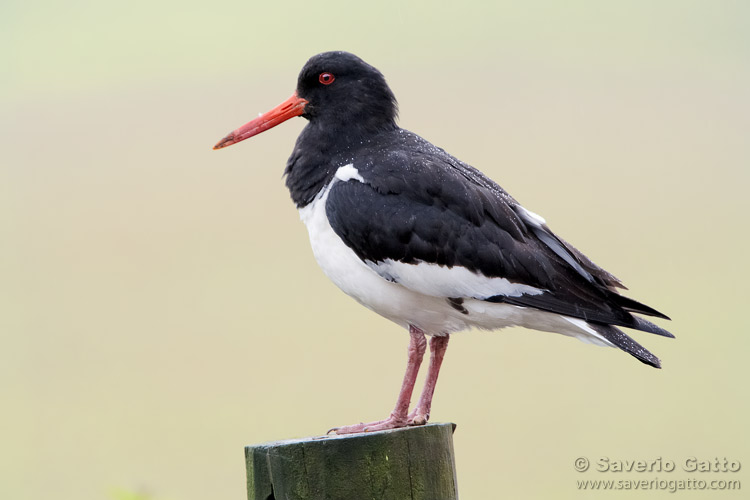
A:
<point x="426" y="240"/>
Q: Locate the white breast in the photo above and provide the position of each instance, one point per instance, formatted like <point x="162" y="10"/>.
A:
<point x="339" y="262"/>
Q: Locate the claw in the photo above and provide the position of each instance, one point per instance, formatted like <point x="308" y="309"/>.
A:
<point x="419" y="419"/>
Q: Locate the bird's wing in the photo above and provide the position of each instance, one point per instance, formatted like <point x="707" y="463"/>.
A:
<point x="448" y="231"/>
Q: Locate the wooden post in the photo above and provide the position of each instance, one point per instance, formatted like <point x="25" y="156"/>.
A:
<point x="411" y="463"/>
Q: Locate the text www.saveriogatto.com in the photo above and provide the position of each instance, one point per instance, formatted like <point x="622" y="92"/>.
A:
<point x="691" y="473"/>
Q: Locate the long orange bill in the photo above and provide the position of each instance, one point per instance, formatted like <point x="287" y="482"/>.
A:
<point x="294" y="106"/>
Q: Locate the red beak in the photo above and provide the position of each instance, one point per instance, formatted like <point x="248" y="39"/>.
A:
<point x="294" y="106"/>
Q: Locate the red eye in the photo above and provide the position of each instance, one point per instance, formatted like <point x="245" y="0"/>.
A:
<point x="326" y="78"/>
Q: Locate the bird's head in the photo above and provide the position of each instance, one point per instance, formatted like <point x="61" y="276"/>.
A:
<point x="334" y="89"/>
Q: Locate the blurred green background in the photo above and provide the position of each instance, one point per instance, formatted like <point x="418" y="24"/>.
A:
<point x="159" y="304"/>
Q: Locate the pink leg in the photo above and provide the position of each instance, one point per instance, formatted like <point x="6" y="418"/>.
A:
<point x="398" y="417"/>
<point x="421" y="413"/>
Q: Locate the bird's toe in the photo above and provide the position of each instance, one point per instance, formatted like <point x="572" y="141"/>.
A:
<point x="380" y="425"/>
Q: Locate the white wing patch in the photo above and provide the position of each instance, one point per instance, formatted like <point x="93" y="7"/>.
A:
<point x="347" y="173"/>
<point x="530" y="217"/>
<point x="442" y="281"/>
<point x="537" y="222"/>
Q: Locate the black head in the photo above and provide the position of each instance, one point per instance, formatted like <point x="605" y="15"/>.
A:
<point x="336" y="91"/>
<point x="344" y="91"/>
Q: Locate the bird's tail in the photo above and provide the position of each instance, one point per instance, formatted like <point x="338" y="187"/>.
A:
<point x="621" y="340"/>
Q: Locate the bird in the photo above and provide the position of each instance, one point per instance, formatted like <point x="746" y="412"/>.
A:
<point x="426" y="240"/>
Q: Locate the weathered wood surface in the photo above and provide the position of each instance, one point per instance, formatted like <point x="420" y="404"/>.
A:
<point x="415" y="463"/>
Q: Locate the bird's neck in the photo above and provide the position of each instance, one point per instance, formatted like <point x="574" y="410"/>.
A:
<point x="320" y="150"/>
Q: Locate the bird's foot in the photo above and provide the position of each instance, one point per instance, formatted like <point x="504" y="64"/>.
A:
<point x="391" y="422"/>
<point x="418" y="416"/>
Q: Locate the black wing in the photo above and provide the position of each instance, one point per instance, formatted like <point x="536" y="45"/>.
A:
<point x="419" y="204"/>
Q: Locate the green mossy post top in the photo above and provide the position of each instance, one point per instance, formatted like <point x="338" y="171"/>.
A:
<point x="411" y="463"/>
